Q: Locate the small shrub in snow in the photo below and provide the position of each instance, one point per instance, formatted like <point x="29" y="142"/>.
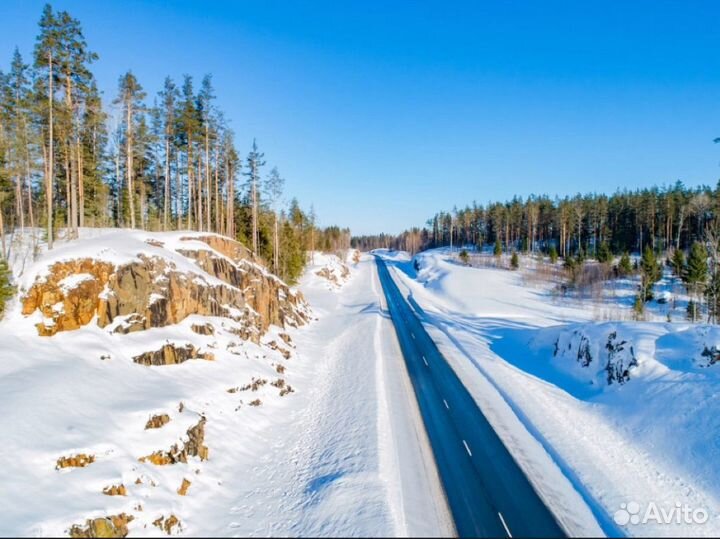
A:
<point x="553" y="254"/>
<point x="464" y="257"/>
<point x="514" y="261"/>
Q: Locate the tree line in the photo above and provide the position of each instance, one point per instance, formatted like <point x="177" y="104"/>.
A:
<point x="166" y="161"/>
<point x="664" y="218"/>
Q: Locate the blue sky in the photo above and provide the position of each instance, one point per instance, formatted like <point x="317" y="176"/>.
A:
<point x="380" y="113"/>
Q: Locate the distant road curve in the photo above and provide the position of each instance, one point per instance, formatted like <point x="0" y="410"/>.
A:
<point x="488" y="493"/>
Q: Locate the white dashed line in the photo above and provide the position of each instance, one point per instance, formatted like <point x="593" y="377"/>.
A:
<point x="467" y="448"/>
<point x="504" y="525"/>
<point x="446" y="404"/>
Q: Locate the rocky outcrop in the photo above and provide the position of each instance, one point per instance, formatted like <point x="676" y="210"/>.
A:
<point x="193" y="447"/>
<point x="110" y="526"/>
<point x="171" y="354"/>
<point x="80" y="460"/>
<point x="65" y="305"/>
<point x="203" y="329"/>
<point x="157" y="421"/>
<point x="273" y="345"/>
<point x="152" y="292"/>
<point x="267" y="296"/>
<point x="335" y="275"/>
<point x="183" y="489"/>
<point x="599" y="352"/>
<point x="168" y="524"/>
<point x="115" y="490"/>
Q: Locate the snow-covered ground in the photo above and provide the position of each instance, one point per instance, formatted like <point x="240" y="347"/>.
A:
<point x="628" y="412"/>
<point x="345" y="454"/>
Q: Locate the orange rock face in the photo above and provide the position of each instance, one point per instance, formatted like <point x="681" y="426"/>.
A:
<point x="182" y="491"/>
<point x="115" y="490"/>
<point x="151" y="292"/>
<point x="110" y="526"/>
<point x="194" y="447"/>
<point x="77" y="461"/>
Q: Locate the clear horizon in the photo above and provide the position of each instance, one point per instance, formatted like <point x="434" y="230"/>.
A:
<point x="395" y="113"/>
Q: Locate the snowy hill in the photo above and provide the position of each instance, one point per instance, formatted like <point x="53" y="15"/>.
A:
<point x="137" y="370"/>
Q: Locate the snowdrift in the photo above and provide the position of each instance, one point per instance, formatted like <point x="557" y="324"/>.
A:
<point x="138" y="374"/>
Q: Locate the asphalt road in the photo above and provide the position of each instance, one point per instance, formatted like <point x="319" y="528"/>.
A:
<point x="488" y="493"/>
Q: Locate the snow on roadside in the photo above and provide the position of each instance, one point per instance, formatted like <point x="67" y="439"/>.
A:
<point x="343" y="454"/>
<point x="591" y="443"/>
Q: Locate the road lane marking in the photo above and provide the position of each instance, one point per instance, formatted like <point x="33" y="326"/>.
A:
<point x="467" y="448"/>
<point x="504" y="525"/>
<point x="425" y="360"/>
<point x="446" y="404"/>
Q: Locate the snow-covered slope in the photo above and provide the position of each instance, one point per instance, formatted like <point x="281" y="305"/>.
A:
<point x="91" y="430"/>
<point x="147" y="386"/>
<point x="628" y="411"/>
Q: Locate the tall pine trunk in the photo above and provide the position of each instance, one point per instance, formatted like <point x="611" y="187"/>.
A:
<point x="129" y="156"/>
<point x="190" y="183"/>
<point x="50" y="163"/>
<point x="80" y="185"/>
<point x="166" y="197"/>
<point x="207" y="177"/>
<point x="218" y="217"/>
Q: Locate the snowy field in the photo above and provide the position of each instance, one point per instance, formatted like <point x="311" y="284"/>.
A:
<point x="344" y="454"/>
<point x="627" y="411"/>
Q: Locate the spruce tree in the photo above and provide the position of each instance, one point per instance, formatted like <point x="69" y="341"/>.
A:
<point x="7" y="290"/>
<point x="696" y="274"/>
<point x="497" y="251"/>
<point x="255" y="161"/>
<point x="553" y="254"/>
<point x="604" y="254"/>
<point x="650" y="273"/>
<point x="464" y="257"/>
<point x="678" y="263"/>
<point x="514" y="261"/>
<point x="625" y="266"/>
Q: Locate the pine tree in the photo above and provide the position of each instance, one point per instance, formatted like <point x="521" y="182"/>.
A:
<point x="604" y="254"/>
<point x="514" y="261"/>
<point x="678" y="263"/>
<point x="639" y="307"/>
<point x="130" y="97"/>
<point x="712" y="297"/>
<point x="273" y="189"/>
<point x="46" y="56"/>
<point x="464" y="257"/>
<point x="650" y="273"/>
<point x="208" y="120"/>
<point x="696" y="273"/>
<point x="254" y="163"/>
<point x="7" y="290"/>
<point x="624" y="266"/>
<point x="188" y="127"/>
<point x="168" y="99"/>
<point x="497" y="251"/>
<point x="553" y="254"/>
